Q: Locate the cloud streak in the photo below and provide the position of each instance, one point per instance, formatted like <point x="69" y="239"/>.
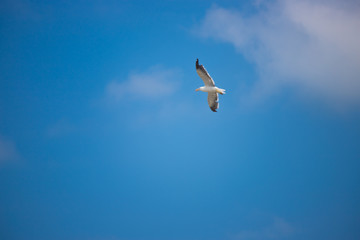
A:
<point x="278" y="229"/>
<point x="60" y="128"/>
<point x="8" y="151"/>
<point x="311" y="45"/>
<point x="152" y="84"/>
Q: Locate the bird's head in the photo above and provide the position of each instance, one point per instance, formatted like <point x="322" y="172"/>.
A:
<point x="199" y="89"/>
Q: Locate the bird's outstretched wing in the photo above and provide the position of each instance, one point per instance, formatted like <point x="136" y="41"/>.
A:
<point x="204" y="75"/>
<point x="213" y="101"/>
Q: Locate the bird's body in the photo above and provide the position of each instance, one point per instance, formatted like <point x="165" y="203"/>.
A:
<point x="209" y="87"/>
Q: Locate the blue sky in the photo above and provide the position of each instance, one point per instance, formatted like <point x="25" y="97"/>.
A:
<point x="103" y="137"/>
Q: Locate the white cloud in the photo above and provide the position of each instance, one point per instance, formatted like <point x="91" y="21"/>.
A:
<point x="312" y="45"/>
<point x="8" y="151"/>
<point x="154" y="83"/>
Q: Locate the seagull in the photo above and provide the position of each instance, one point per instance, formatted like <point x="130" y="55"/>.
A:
<point x="209" y="87"/>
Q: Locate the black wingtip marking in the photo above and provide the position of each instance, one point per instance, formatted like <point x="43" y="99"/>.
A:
<point x="213" y="109"/>
<point x="197" y="63"/>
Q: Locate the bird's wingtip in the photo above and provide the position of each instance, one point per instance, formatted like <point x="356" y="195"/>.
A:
<point x="213" y="109"/>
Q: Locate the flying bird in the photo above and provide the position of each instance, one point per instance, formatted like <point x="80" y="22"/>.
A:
<point x="210" y="88"/>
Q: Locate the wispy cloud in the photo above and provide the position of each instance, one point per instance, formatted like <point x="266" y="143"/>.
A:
<point x="8" y="151"/>
<point x="60" y="128"/>
<point x="277" y="229"/>
<point x="146" y="97"/>
<point x="312" y="45"/>
<point x="152" y="84"/>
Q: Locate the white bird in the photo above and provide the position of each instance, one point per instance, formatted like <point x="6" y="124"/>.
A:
<point x="209" y="87"/>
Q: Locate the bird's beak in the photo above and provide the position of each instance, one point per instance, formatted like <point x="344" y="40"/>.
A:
<point x="198" y="89"/>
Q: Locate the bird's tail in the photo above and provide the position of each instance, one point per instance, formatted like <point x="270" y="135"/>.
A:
<point x="221" y="91"/>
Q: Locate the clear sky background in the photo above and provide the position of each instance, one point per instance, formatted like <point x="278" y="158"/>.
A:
<point x="103" y="137"/>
